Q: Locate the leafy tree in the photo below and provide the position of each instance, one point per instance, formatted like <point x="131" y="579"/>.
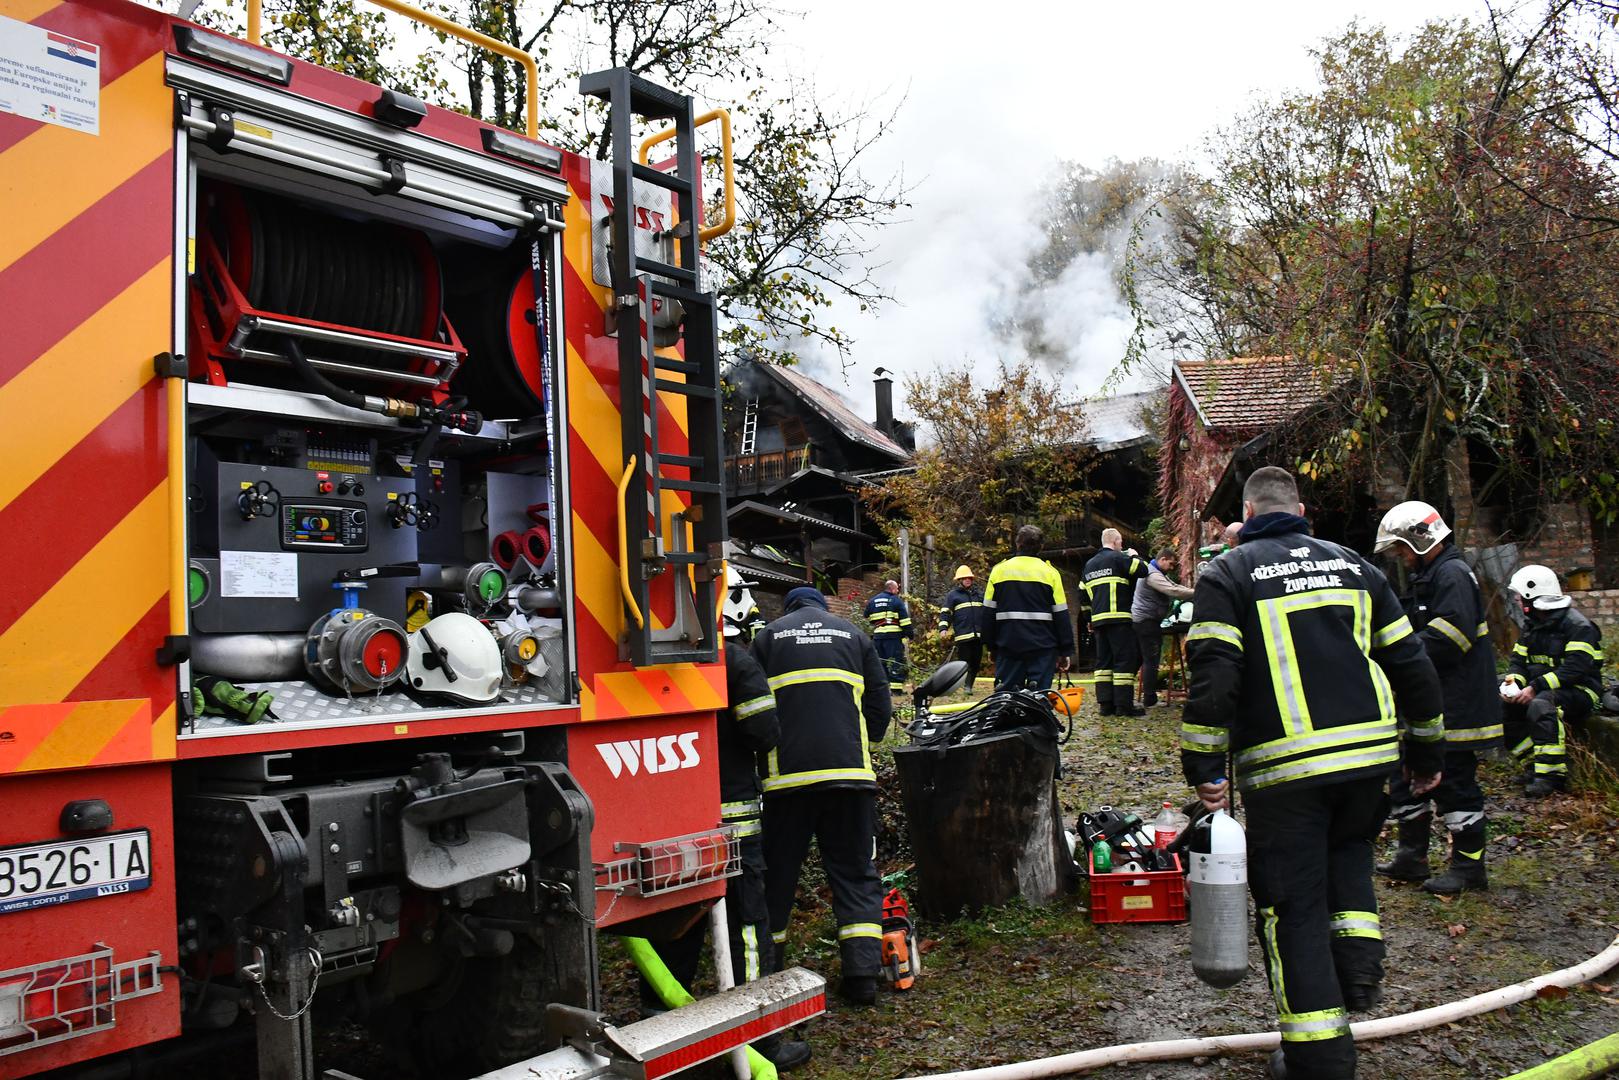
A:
<point x="1430" y="230"/>
<point x="994" y="459"/>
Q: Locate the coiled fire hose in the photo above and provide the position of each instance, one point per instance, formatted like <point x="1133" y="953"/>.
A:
<point x="1364" y="1031"/>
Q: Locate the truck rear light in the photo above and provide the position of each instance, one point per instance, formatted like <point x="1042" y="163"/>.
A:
<point x="661" y="866"/>
<point x="64" y="999"/>
<point x="234" y="54"/>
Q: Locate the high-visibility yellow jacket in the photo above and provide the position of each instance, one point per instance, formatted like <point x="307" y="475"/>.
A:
<point x="1026" y="607"/>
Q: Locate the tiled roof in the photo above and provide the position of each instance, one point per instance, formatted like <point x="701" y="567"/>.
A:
<point x="1114" y="421"/>
<point x="1249" y="392"/>
<point x="826" y="402"/>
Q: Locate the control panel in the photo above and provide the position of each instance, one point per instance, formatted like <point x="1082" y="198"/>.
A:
<point x="324" y="527"/>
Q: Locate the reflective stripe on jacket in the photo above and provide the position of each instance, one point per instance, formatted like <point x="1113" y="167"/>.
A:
<point x="1108" y="580"/>
<point x="887" y="614"/>
<point x="1447" y="612"/>
<point x="1026" y="607"/>
<point x="832" y="698"/>
<point x="1300" y="656"/>
<point x="963" y="613"/>
<point x="1562" y="650"/>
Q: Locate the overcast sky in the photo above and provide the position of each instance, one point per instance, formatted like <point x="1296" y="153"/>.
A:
<point x="996" y="94"/>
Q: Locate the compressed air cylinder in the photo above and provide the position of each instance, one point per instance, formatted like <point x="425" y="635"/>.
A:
<point x="1217" y="893"/>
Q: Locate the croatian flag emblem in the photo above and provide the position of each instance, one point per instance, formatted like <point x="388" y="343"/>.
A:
<point x="66" y="48"/>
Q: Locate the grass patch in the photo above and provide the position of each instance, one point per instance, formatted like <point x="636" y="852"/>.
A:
<point x="1594" y="778"/>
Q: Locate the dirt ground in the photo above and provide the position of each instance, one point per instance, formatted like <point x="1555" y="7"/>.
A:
<point x="1019" y="983"/>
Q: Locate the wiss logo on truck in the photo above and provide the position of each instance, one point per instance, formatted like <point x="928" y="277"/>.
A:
<point x="655" y="755"/>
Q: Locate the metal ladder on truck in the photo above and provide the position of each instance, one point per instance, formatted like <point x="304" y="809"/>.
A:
<point x="653" y="542"/>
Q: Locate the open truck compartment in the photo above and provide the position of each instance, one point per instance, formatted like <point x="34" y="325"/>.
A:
<point x="325" y="532"/>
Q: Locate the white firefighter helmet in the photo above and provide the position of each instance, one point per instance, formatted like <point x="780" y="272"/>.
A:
<point x="1415" y="524"/>
<point x="740" y="612"/>
<point x="1539" y="587"/>
<point x="964" y="571"/>
<point x="456" y="657"/>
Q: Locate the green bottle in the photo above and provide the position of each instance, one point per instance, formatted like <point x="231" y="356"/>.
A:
<point x="1102" y="858"/>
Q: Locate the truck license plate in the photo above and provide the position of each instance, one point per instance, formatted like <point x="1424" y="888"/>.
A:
<point x="62" y="871"/>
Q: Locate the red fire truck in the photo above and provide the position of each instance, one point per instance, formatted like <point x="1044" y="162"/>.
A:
<point x="363" y="520"/>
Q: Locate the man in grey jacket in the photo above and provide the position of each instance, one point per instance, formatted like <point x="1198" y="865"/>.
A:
<point x="1154" y="594"/>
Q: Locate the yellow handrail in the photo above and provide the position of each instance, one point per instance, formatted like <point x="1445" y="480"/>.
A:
<point x="624" y="547"/>
<point x="531" y="67"/>
<point x="708" y="232"/>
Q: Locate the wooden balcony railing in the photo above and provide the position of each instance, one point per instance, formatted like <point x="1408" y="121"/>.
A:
<point x="753" y="471"/>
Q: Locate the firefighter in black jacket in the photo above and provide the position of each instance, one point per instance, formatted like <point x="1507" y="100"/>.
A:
<point x="1556" y="678"/>
<point x="1447" y="612"/>
<point x="962" y="617"/>
<point x="891" y="628"/>
<point x="833" y="699"/>
<point x="1026" y="620"/>
<point x="1109" y="580"/>
<point x="1299" y="655"/>
<point x="746" y="729"/>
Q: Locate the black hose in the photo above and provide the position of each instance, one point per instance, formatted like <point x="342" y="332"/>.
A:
<point x="1001" y="712"/>
<point x="318" y="382"/>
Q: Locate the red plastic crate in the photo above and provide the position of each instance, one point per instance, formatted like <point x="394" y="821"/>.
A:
<point x="1150" y="896"/>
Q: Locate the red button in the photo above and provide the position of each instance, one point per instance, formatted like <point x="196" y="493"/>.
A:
<point x="324" y="487"/>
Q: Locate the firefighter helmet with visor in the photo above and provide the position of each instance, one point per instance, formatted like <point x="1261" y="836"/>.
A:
<point x="1417" y="525"/>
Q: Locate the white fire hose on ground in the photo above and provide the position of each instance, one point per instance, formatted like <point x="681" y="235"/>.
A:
<point x="1364" y="1031"/>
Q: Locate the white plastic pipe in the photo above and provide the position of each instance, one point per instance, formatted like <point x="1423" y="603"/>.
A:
<point x="1365" y="1031"/>
<point x="719" y="932"/>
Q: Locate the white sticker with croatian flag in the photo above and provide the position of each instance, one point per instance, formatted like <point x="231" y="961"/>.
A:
<point x="49" y="77"/>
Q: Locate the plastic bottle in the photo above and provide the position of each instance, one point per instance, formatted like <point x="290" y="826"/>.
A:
<point x="1102" y="857"/>
<point x="1167" y="826"/>
<point x="1217" y="893"/>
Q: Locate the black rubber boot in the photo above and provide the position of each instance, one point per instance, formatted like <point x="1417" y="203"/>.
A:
<point x="1459" y="876"/>
<point x="784" y="1053"/>
<point x="858" y="989"/>
<point x="1410" y="862"/>
<point x="1359" y="997"/>
<point x="1466" y="870"/>
<point x="1542" y="786"/>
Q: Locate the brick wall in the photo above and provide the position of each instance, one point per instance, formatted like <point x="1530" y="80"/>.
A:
<point x="853" y="593"/>
<point x="1564" y="542"/>
<point x="1601" y="606"/>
